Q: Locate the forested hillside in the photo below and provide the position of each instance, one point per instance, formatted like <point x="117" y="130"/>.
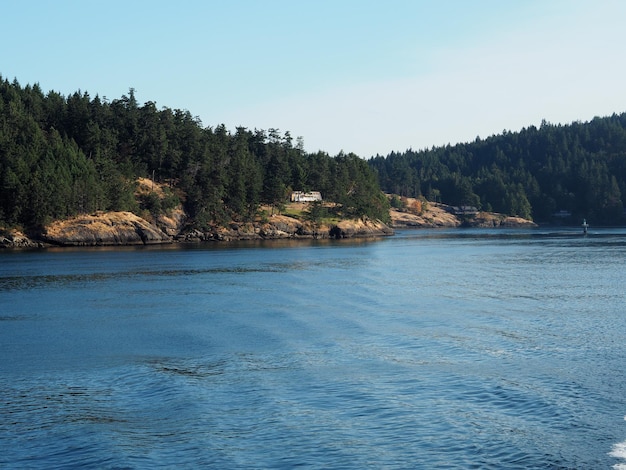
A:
<point x="66" y="155"/>
<point x="577" y="171"/>
<point x="61" y="156"/>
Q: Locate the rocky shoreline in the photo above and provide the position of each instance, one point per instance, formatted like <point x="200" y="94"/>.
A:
<point x="280" y="227"/>
<point x="437" y="215"/>
<point x="17" y="239"/>
<point x="126" y="228"/>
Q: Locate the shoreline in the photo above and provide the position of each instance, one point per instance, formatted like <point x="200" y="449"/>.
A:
<point x="110" y="229"/>
<point x="127" y="229"/>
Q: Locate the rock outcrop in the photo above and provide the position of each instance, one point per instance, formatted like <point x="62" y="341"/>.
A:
<point x="126" y="228"/>
<point x="173" y="222"/>
<point x="107" y="228"/>
<point x="283" y="227"/>
<point x="360" y="228"/>
<point x="492" y="220"/>
<point x="435" y="215"/>
<point x="16" y="239"/>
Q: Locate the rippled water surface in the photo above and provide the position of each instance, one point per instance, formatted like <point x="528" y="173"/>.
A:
<point x="430" y="349"/>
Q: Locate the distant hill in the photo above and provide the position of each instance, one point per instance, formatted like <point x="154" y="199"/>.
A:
<point x="555" y="173"/>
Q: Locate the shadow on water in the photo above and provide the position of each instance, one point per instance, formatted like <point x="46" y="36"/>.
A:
<point x="208" y="245"/>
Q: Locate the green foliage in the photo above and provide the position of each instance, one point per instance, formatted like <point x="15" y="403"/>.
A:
<point x="396" y="202"/>
<point x="579" y="168"/>
<point x="152" y="203"/>
<point x="60" y="156"/>
<point x="317" y="212"/>
<point x="349" y="182"/>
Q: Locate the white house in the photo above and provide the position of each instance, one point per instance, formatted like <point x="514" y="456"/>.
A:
<point x="301" y="196"/>
<point x="464" y="210"/>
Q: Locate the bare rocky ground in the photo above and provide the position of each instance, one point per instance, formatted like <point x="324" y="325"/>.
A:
<point x="282" y="227"/>
<point x="435" y="215"/>
<point x="106" y="228"/>
<point x="12" y="238"/>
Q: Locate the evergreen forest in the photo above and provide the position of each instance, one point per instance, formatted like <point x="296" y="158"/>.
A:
<point x="554" y="173"/>
<point x="65" y="155"/>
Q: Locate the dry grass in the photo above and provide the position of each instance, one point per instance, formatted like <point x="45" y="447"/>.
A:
<point x="147" y="186"/>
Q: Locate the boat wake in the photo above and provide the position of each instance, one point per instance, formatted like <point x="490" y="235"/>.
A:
<point x="619" y="452"/>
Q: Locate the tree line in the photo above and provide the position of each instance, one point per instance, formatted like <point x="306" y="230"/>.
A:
<point x="574" y="171"/>
<point x="65" y="155"/>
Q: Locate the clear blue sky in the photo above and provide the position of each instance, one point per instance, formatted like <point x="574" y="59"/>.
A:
<point x="361" y="76"/>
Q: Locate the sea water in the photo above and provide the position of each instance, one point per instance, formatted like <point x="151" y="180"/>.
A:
<point x="429" y="349"/>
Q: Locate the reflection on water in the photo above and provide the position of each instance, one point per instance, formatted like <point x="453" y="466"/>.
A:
<point x="433" y="348"/>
